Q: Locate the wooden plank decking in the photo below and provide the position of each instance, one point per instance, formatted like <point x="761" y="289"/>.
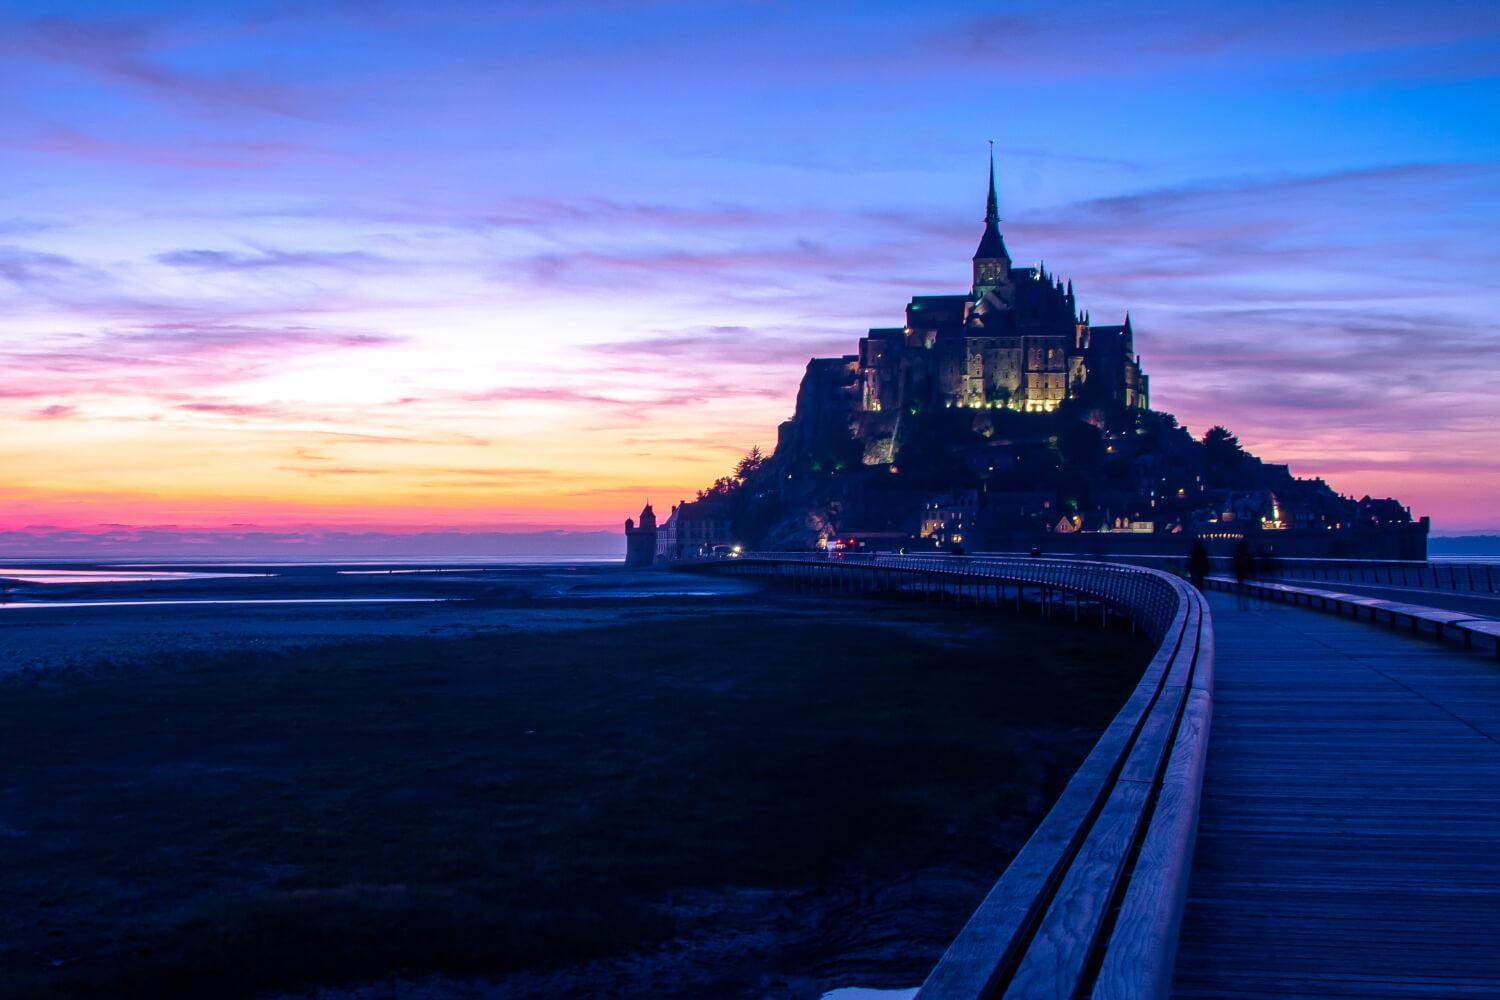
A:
<point x="1349" y="839"/>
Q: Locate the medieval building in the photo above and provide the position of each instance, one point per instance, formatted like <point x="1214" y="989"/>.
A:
<point x="1016" y="340"/>
<point x="1002" y="419"/>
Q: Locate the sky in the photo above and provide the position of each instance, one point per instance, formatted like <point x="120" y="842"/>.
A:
<point x="373" y="265"/>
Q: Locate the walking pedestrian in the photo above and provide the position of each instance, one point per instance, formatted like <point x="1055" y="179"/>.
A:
<point x="1198" y="563"/>
<point x="1244" y="564"/>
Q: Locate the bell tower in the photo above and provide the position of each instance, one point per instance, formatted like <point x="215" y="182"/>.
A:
<point x="991" y="260"/>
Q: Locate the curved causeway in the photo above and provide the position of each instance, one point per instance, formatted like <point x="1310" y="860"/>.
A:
<point x="1091" y="904"/>
<point x="1342" y="841"/>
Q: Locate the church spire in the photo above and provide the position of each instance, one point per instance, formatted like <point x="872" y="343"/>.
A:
<point x="992" y="209"/>
<point x="992" y="244"/>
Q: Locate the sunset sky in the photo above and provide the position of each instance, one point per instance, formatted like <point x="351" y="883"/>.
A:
<point x="401" y="266"/>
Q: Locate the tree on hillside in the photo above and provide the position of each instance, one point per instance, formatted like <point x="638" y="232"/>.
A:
<point x="750" y="464"/>
<point x="1222" y="454"/>
<point x="744" y="470"/>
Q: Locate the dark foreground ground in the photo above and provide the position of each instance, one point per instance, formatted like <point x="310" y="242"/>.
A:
<point x="721" y="795"/>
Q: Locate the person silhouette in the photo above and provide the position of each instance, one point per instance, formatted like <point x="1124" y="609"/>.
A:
<point x="1244" y="567"/>
<point x="1198" y="563"/>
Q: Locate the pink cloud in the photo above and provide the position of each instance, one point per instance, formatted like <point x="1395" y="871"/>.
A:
<point x="162" y="360"/>
<point x="232" y="409"/>
<point x="57" y="411"/>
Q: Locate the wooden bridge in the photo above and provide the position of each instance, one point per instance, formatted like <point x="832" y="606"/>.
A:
<point x="1290" y="804"/>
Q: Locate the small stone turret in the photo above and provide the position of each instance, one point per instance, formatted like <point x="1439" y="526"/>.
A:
<point x="640" y="540"/>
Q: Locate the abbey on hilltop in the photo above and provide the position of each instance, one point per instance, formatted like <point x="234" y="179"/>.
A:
<point x="1017" y="341"/>
<point x="1003" y="419"/>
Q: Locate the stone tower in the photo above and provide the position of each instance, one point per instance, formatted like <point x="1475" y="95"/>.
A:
<point x="640" y="541"/>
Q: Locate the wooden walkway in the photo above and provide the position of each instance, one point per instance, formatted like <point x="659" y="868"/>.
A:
<point x="1349" y="839"/>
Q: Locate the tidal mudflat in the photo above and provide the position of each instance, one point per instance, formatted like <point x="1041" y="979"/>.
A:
<point x="553" y="782"/>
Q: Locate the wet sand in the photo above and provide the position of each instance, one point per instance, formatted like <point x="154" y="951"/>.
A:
<point x="554" y="781"/>
<point x="43" y="627"/>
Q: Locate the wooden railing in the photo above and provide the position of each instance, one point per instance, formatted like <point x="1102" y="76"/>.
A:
<point x="1091" y="905"/>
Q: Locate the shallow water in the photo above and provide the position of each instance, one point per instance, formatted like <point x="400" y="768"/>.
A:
<point x="388" y="572"/>
<point x="663" y="592"/>
<point x="111" y="575"/>
<point x="225" y="600"/>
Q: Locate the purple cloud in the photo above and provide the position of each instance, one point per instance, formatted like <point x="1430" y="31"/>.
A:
<point x="56" y="411"/>
<point x="201" y="154"/>
<point x="595" y="210"/>
<point x="261" y="259"/>
<point x="638" y="405"/>
<point x="162" y="359"/>
<point x="734" y="345"/>
<point x="124" y="50"/>
<point x="1101" y="39"/>
<point x="233" y="409"/>
<point x="762" y="189"/>
<point x="32" y="268"/>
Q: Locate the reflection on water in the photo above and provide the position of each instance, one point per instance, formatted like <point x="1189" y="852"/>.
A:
<point x="664" y="592"/>
<point x="864" y="993"/>
<point x="388" y="572"/>
<point x="111" y="575"/>
<point x="487" y="562"/>
<point x="264" y="600"/>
